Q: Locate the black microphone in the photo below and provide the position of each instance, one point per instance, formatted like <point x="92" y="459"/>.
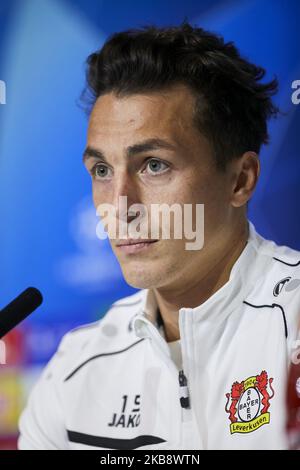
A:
<point x="17" y="310"/>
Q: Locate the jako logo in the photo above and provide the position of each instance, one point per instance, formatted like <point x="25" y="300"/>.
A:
<point x="279" y="286"/>
<point x="2" y="92"/>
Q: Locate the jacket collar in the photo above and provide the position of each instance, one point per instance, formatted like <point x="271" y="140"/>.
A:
<point x="244" y="274"/>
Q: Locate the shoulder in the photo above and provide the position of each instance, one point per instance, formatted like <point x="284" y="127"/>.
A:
<point x="283" y="255"/>
<point x="277" y="282"/>
<point x="271" y="258"/>
<point x="118" y="315"/>
<point x="283" y="263"/>
<point x="110" y="333"/>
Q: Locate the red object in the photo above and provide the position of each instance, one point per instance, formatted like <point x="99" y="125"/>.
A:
<point x="14" y="342"/>
<point x="293" y="406"/>
<point x="8" y="443"/>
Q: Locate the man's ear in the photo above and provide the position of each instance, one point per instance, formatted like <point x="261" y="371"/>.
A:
<point x="246" y="174"/>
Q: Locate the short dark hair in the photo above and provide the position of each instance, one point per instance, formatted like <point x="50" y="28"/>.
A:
<point x="232" y="105"/>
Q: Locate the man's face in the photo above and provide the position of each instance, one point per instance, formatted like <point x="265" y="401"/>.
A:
<point x="183" y="172"/>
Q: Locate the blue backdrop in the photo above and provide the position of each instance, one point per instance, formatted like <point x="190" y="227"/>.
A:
<point x="47" y="236"/>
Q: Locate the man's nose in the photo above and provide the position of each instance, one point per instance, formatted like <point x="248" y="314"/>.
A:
<point x="125" y="194"/>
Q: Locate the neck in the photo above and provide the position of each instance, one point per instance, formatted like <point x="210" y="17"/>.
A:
<point x="205" y="283"/>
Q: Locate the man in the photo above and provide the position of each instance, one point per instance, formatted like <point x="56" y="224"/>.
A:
<point x="198" y="357"/>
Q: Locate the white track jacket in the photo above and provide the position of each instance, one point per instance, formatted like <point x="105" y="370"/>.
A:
<point x="113" y="385"/>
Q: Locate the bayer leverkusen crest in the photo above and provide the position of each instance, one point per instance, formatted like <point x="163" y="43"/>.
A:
<point x="250" y="403"/>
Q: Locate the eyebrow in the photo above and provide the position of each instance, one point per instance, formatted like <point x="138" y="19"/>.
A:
<point x="139" y="147"/>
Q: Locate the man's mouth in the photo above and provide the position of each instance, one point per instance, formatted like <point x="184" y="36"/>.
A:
<point x="135" y="245"/>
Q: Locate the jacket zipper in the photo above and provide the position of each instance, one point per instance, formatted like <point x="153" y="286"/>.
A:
<point x="184" y="391"/>
<point x="184" y="396"/>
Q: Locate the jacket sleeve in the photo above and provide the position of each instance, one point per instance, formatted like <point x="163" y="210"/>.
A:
<point x="42" y="424"/>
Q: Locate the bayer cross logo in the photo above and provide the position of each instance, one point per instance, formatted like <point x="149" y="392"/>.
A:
<point x="249" y="404"/>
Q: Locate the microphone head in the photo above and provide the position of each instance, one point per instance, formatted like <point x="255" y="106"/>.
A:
<point x="31" y="297"/>
<point x="17" y="310"/>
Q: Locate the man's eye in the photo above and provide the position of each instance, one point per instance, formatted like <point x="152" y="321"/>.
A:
<point x="156" y="166"/>
<point x="100" y="171"/>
